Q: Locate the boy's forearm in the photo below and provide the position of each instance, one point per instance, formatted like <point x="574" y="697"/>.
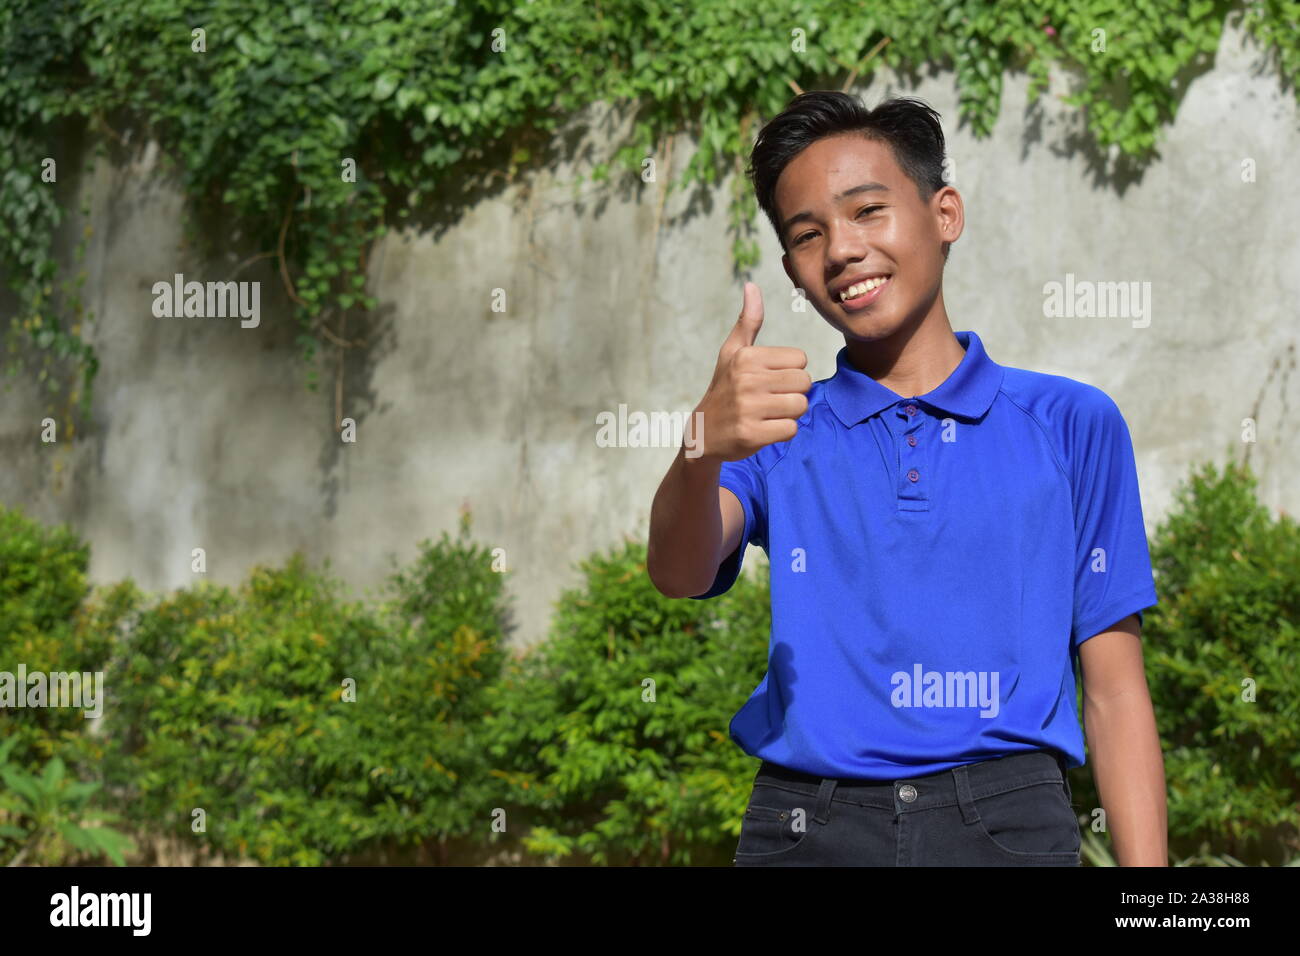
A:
<point x="685" y="525"/>
<point x="1124" y="749"/>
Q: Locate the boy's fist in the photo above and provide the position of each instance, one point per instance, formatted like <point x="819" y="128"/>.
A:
<point x="757" y="392"/>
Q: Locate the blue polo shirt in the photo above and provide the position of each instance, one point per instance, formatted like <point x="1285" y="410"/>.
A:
<point x="936" y="561"/>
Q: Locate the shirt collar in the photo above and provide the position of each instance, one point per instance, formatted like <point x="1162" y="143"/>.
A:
<point x="967" y="392"/>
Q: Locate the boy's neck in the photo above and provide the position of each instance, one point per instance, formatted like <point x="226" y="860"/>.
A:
<point x="914" y="360"/>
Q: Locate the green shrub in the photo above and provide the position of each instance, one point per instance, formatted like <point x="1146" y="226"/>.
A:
<point x="51" y="621"/>
<point x="421" y="728"/>
<point x="230" y="702"/>
<point x="595" y="767"/>
<point x="1228" y="580"/>
<point x="1230" y="590"/>
<point x="42" y="575"/>
<point x="234" y="703"/>
<point x="46" y="818"/>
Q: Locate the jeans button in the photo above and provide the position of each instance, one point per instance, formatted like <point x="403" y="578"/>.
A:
<point x="907" y="793"/>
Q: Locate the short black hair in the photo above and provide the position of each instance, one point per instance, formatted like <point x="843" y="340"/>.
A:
<point x="908" y="125"/>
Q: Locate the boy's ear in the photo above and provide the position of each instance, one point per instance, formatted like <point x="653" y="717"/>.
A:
<point x="785" y="264"/>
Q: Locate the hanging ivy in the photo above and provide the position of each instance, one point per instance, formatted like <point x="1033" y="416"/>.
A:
<point x="260" y="107"/>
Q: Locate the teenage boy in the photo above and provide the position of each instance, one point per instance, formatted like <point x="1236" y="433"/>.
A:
<point x="946" y="536"/>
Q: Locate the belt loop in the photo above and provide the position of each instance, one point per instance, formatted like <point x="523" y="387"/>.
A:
<point x="824" y="793"/>
<point x="964" y="799"/>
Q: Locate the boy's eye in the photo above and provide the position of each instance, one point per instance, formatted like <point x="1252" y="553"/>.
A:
<point x="809" y="234"/>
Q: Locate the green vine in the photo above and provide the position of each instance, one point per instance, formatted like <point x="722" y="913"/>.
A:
<point x="433" y="99"/>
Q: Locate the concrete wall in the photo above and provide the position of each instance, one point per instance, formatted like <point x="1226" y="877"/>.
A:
<point x="206" y="437"/>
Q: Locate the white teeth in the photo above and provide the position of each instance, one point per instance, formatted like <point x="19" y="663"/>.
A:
<point x="854" y="291"/>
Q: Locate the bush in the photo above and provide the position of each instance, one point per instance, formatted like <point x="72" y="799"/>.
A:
<point x="422" y="730"/>
<point x="235" y="703"/>
<point x="51" y="621"/>
<point x="1222" y="657"/>
<point x="46" y="819"/>
<point x="42" y="575"/>
<point x="606" y="766"/>
<point x="1225" y="668"/>
<point x="232" y="701"/>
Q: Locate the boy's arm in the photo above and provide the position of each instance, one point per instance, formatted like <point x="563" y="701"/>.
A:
<point x="1124" y="746"/>
<point x="757" y="395"/>
<point x="689" y="516"/>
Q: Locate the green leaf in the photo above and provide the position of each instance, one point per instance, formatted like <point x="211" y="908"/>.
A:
<point x="53" y="774"/>
<point x="385" y="84"/>
<point x="22" y="784"/>
<point x="406" y="96"/>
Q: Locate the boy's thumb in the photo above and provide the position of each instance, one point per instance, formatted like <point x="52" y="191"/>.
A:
<point x="751" y="318"/>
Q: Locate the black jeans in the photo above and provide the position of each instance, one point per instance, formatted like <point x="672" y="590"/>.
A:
<point x="1010" y="811"/>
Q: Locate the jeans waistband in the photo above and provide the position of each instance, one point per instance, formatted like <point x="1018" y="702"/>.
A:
<point x="980" y="779"/>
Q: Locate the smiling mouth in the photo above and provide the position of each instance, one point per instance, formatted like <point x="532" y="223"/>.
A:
<point x="864" y="293"/>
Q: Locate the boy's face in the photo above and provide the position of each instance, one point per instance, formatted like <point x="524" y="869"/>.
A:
<point x="851" y="233"/>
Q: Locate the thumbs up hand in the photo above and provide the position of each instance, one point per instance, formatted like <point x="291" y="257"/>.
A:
<point x="757" y="392"/>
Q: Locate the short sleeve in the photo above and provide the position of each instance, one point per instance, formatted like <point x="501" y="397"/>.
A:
<point x="1113" y="577"/>
<point x="747" y="480"/>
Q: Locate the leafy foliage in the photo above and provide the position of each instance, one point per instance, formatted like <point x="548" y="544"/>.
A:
<point x="221" y="703"/>
<point x="611" y="734"/>
<point x="42" y="573"/>
<point x="46" y="818"/>
<point x="606" y="743"/>
<point x="1225" y="662"/>
<point x="1222" y="653"/>
<point x="39" y="52"/>
<point x="236" y="703"/>
<point x="426" y="95"/>
<point x="50" y="622"/>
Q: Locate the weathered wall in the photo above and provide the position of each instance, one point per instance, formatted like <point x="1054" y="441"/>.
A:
<point x="205" y="436"/>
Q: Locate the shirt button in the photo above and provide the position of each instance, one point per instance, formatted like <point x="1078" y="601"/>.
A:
<point x="911" y="409"/>
<point x="911" y="440"/>
<point x="907" y="793"/>
<point x="913" y="475"/>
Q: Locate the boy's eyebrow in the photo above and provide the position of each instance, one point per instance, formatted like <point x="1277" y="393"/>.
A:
<point x="807" y="214"/>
